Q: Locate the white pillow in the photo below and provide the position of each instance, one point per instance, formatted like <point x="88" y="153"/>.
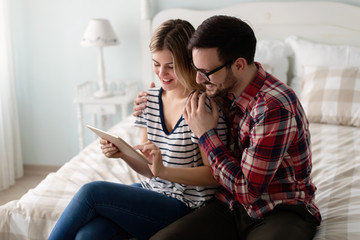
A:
<point x="273" y="55"/>
<point x="331" y="95"/>
<point x="309" y="53"/>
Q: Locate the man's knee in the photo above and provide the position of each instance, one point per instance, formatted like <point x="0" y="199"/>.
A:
<point x="214" y="221"/>
<point x="166" y="233"/>
<point x="281" y="225"/>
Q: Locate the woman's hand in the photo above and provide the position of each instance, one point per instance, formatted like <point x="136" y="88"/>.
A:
<point x="153" y="154"/>
<point x="140" y="101"/>
<point x="109" y="149"/>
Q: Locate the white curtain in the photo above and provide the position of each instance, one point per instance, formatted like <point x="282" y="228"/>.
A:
<point x="11" y="166"/>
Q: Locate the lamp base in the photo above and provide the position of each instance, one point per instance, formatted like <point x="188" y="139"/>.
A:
<point x="102" y="94"/>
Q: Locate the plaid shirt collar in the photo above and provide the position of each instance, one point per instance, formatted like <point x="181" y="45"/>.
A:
<point x="251" y="90"/>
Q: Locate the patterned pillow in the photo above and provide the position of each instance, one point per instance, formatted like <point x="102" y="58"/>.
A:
<point x="331" y="95"/>
<point x="309" y="53"/>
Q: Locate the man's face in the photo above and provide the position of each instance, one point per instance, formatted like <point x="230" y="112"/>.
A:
<point x="221" y="81"/>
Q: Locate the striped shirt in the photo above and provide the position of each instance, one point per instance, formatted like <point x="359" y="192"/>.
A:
<point x="268" y="159"/>
<point x="179" y="148"/>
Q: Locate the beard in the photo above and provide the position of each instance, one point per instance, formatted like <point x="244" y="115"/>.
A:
<point x="224" y="88"/>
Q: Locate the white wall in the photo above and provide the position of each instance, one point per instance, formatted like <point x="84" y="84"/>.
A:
<point x="49" y="63"/>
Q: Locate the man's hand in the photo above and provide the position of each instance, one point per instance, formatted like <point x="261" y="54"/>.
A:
<point x="199" y="119"/>
<point x="140" y="101"/>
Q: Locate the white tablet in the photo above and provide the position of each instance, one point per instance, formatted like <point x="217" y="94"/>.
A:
<point x="120" y="144"/>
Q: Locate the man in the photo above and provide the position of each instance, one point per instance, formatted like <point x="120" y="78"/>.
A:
<point x="265" y="173"/>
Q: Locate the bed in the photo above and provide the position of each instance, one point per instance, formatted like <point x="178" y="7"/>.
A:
<point x="305" y="45"/>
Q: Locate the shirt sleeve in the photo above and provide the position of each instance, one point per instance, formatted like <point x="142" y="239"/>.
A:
<point x="247" y="178"/>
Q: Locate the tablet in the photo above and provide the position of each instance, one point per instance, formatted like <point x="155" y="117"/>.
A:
<point x="120" y="144"/>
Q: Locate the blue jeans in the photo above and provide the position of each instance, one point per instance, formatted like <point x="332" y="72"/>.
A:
<point x="104" y="210"/>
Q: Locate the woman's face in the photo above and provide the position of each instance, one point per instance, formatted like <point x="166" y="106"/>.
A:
<point x="164" y="69"/>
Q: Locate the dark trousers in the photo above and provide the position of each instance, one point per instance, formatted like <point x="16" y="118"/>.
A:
<point x="217" y="221"/>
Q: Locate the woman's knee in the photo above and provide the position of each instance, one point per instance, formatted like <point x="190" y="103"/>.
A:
<point x="83" y="235"/>
<point x="90" y="189"/>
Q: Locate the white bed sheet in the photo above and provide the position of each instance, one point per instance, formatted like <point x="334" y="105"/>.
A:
<point x="34" y="215"/>
<point x="336" y="172"/>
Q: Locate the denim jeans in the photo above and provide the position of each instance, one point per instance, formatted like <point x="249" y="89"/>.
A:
<point x="104" y="210"/>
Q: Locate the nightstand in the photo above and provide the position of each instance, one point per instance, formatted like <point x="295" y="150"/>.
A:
<point x="103" y="108"/>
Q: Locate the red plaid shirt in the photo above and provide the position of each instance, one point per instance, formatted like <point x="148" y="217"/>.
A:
<point x="268" y="161"/>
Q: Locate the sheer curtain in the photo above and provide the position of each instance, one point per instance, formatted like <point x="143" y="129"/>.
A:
<point x="11" y="166"/>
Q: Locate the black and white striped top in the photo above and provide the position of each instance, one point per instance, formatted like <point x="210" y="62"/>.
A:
<point x="179" y="148"/>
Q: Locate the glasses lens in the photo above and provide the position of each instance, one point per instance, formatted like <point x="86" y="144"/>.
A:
<point x="204" y="76"/>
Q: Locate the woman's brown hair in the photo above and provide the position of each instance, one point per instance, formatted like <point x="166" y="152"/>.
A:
<point x="174" y="35"/>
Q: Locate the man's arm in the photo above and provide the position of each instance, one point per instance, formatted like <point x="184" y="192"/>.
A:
<point x="247" y="178"/>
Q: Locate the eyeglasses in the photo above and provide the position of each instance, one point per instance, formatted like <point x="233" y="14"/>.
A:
<point x="207" y="74"/>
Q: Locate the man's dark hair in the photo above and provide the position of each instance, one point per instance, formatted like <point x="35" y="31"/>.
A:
<point x="232" y="37"/>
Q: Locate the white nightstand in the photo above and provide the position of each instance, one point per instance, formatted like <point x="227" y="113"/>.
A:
<point x="103" y="108"/>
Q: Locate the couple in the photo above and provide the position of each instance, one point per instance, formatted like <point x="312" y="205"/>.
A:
<point x="259" y="173"/>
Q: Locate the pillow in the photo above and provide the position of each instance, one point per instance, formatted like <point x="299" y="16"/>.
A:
<point x="273" y="55"/>
<point x="331" y="95"/>
<point x="309" y="53"/>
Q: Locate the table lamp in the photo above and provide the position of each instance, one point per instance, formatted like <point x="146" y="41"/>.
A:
<point x="99" y="33"/>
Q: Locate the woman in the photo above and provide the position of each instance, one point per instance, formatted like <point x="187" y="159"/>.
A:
<point x="179" y="178"/>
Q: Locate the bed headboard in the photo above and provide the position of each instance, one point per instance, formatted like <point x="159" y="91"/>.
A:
<point x="325" y="22"/>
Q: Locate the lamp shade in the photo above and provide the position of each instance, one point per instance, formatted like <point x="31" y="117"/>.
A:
<point x="99" y="33"/>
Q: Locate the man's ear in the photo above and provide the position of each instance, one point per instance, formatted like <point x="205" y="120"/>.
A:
<point x="240" y="65"/>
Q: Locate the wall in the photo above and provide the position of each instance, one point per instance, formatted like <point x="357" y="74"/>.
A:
<point x="49" y="63"/>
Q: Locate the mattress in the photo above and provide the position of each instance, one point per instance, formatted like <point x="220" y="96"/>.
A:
<point x="336" y="173"/>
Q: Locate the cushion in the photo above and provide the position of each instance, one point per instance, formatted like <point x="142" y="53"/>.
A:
<point x="310" y="53"/>
<point x="274" y="57"/>
<point x="331" y="95"/>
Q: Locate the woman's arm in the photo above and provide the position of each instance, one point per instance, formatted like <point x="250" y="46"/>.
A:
<point x="111" y="151"/>
<point x="194" y="176"/>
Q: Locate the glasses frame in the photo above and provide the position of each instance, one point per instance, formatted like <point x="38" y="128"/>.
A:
<point x="206" y="75"/>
